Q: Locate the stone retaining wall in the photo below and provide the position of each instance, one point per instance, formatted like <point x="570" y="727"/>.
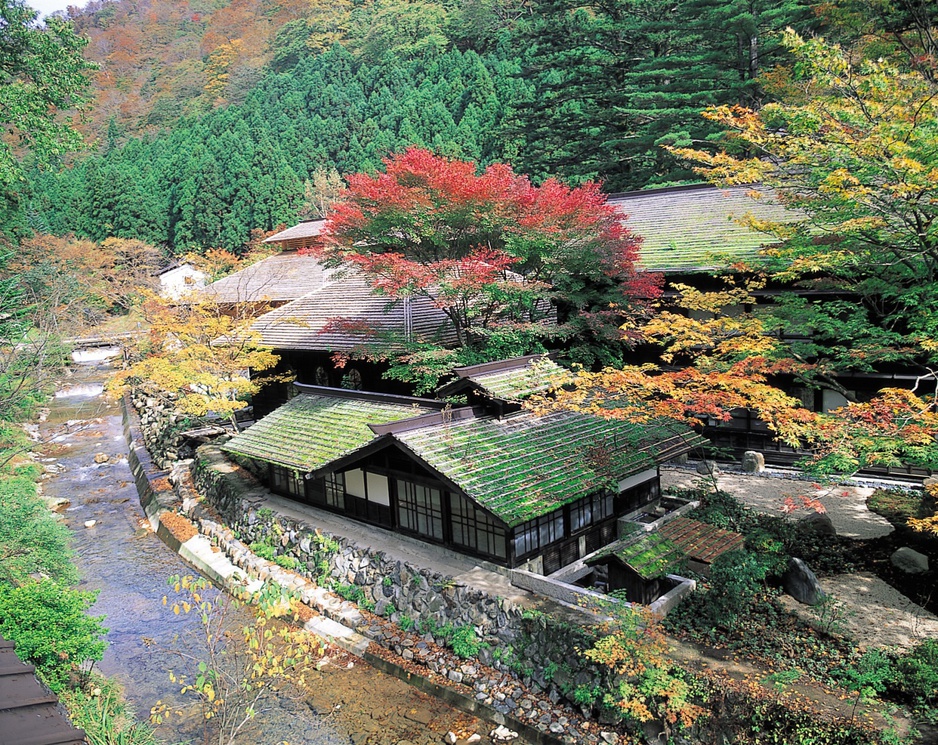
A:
<point x="159" y="426"/>
<point x="533" y="646"/>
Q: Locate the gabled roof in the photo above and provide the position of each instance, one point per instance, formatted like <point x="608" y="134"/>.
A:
<point x="344" y="313"/>
<point x="661" y="551"/>
<point x="278" y="279"/>
<point x="29" y="713"/>
<point x="320" y="425"/>
<point x="508" y="380"/>
<point x="686" y="228"/>
<point x="650" y="556"/>
<point x="700" y="541"/>
<point x="302" y="235"/>
<point x="526" y="465"/>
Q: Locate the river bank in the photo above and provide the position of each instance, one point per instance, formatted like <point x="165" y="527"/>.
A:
<point x="121" y="558"/>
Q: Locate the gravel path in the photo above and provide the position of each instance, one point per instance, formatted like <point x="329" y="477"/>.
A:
<point x="871" y="611"/>
<point x="846" y="505"/>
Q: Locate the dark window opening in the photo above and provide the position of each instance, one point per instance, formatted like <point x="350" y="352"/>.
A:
<point x="474" y="529"/>
<point x="420" y="509"/>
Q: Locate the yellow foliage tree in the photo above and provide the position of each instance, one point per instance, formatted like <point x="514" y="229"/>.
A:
<point x="235" y="669"/>
<point x="200" y="353"/>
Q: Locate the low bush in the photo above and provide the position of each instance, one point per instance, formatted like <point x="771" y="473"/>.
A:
<point x="464" y="642"/>
<point x="51" y="629"/>
<point x="915" y="675"/>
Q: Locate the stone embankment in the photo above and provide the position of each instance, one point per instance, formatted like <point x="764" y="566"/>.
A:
<point x="513" y="677"/>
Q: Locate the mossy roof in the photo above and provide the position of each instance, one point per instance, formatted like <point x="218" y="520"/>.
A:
<point x="510" y="380"/>
<point x="524" y="465"/>
<point x="693" y="228"/>
<point x="650" y="556"/>
<point x="312" y="430"/>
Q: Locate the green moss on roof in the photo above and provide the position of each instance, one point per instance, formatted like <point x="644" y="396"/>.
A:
<point x="651" y="556"/>
<point x="538" y="376"/>
<point x="524" y="465"/>
<point x="310" y="430"/>
<point x="696" y="228"/>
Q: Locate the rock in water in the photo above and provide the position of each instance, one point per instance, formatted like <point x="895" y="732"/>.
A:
<point x="101" y="458"/>
<point x="801" y="583"/>
<point x="90" y="523"/>
<point x="909" y="561"/>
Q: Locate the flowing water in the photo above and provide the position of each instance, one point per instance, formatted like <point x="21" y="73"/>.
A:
<point x="121" y="559"/>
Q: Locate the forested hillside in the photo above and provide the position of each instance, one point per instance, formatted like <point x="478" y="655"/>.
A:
<point x="213" y="119"/>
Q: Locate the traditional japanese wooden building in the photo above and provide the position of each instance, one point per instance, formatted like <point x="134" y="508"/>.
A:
<point x="639" y="564"/>
<point x="515" y="488"/>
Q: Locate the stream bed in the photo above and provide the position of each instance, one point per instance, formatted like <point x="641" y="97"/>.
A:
<point x="122" y="559"/>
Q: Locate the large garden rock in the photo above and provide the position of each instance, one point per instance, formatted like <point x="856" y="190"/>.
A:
<point x="753" y="462"/>
<point x="819" y="523"/>
<point x="909" y="561"/>
<point x="707" y="467"/>
<point x="801" y="583"/>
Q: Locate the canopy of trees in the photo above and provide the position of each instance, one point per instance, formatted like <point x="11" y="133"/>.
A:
<point x="514" y="267"/>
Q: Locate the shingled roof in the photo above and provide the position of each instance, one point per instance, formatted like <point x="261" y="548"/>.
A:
<point x="700" y="541"/>
<point x="320" y="425"/>
<point x="687" y="228"/>
<point x="276" y="279"/>
<point x="344" y="314"/>
<point x="29" y="713"/>
<point x="508" y="380"/>
<point x="525" y="465"/>
<point x="302" y="235"/>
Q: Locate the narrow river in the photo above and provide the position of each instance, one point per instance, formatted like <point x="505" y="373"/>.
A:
<point x="120" y="558"/>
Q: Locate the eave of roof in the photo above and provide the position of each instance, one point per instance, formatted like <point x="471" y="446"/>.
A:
<point x="526" y="465"/>
<point x="304" y="229"/>
<point x="346" y="313"/>
<point x="279" y="278"/>
<point x="508" y="380"/>
<point x="650" y="556"/>
<point x="322" y="425"/>
<point x="701" y="541"/>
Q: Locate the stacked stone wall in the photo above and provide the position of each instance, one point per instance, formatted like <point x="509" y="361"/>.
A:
<point x="160" y="426"/>
<point x="534" y="646"/>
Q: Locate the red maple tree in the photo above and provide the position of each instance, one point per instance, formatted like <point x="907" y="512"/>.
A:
<point x="513" y="266"/>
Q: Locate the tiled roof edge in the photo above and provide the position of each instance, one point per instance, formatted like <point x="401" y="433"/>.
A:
<point x="676" y="189"/>
<point x="429" y="420"/>
<point x="498" y="366"/>
<point x="385" y="398"/>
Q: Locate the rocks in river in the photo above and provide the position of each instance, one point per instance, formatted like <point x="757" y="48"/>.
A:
<point x="90" y="523"/>
<point x="801" y="583"/>
<point x="100" y="458"/>
<point x="502" y="734"/>
<point x="909" y="561"/>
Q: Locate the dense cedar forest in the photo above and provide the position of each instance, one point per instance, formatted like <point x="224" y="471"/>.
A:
<point x="215" y="119"/>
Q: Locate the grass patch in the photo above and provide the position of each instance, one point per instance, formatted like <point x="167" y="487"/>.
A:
<point x="898" y="505"/>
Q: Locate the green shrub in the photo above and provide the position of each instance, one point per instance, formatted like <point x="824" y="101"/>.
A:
<point x="51" y="629"/>
<point x="916" y="675"/>
<point x="263" y="550"/>
<point x="464" y="642"/>
<point x="406" y="623"/>
<point x="31" y="539"/>
<point x="287" y="562"/>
